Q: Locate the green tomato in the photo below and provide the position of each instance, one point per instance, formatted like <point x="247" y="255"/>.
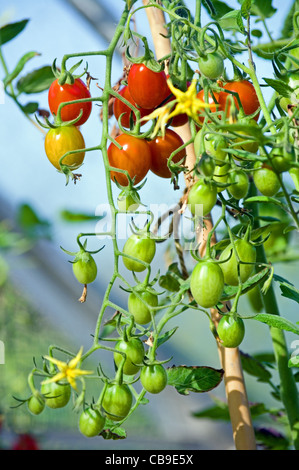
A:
<point x="117" y="401"/>
<point x="231" y="331"/>
<point x="281" y="161"/>
<point x="214" y="146"/>
<point x="91" y="422"/>
<point x="221" y="175"/>
<point x="153" y="378"/>
<point x="239" y="184"/>
<point x="207" y="283"/>
<point x="266" y="180"/>
<point x="56" y="395"/>
<point x="36" y="404"/>
<point x="202" y="198"/>
<point x="85" y="269"/>
<point x="134" y="351"/>
<point x="211" y="65"/>
<point x="246" y="253"/>
<point x="138" y="309"/>
<point x="127" y="203"/>
<point x="142" y="247"/>
<point x="207" y="165"/>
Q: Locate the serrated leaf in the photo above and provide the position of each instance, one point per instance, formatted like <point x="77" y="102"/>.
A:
<point x="11" y="30"/>
<point x="255" y="368"/>
<point x="281" y="87"/>
<point x="37" y="81"/>
<point x="276" y="321"/>
<point x="198" y="379"/>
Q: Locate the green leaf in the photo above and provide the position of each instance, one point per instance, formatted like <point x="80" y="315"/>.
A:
<point x="37" y="81"/>
<point x="256" y="33"/>
<point x="219" y="412"/>
<point x="290" y="292"/>
<point x="198" y="379"/>
<point x="263" y="9"/>
<point x="276" y="321"/>
<point x="217" y="9"/>
<point x="19" y="67"/>
<point x="273" y="200"/>
<point x="231" y="291"/>
<point x="245" y="8"/>
<point x="232" y="21"/>
<point x="255" y="368"/>
<point x="165" y="337"/>
<point x="72" y="216"/>
<point x="31" y="223"/>
<point x="115" y="434"/>
<point x="281" y="87"/>
<point x="11" y="30"/>
<point x="30" y="108"/>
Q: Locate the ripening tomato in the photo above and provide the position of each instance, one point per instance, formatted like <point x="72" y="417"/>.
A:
<point x="120" y="108"/>
<point x="61" y="140"/>
<point x="247" y="95"/>
<point x="63" y="93"/>
<point x="147" y="88"/>
<point x="161" y="148"/>
<point x="134" y="157"/>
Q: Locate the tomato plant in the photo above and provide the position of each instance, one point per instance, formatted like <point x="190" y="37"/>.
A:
<point x="128" y="158"/>
<point x="65" y="139"/>
<point x="153" y="378"/>
<point x="237" y="129"/>
<point x="59" y="94"/>
<point x="161" y="149"/>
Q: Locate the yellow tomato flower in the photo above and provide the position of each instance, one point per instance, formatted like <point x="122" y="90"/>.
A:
<point x="67" y="370"/>
<point x="185" y="102"/>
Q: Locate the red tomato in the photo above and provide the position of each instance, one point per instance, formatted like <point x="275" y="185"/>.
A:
<point x="148" y="89"/>
<point x="135" y="157"/>
<point x="25" y="442"/>
<point x="62" y="93"/>
<point x="119" y="108"/>
<point x="161" y="149"/>
<point x="214" y="106"/>
<point x="247" y="95"/>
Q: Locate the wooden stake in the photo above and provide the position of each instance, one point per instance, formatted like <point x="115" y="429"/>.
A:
<point x="240" y="416"/>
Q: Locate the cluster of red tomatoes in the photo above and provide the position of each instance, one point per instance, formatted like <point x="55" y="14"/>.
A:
<point x="63" y="138"/>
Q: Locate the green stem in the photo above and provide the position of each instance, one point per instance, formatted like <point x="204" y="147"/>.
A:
<point x="288" y="387"/>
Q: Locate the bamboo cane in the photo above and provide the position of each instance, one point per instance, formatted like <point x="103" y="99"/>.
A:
<point x="240" y="416"/>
